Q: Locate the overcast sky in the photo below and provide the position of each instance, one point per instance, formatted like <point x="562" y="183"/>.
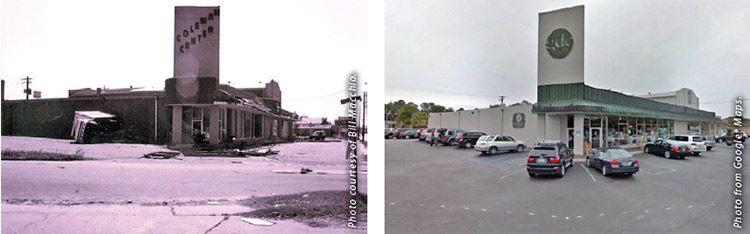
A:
<point x="309" y="47"/>
<point x="466" y="53"/>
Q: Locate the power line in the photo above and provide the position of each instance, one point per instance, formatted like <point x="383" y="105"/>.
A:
<point x="27" y="81"/>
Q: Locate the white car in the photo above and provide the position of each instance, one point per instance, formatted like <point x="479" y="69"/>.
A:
<point x="695" y="142"/>
<point x="493" y="143"/>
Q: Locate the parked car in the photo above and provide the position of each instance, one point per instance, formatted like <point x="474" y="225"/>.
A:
<point x="318" y="136"/>
<point x="696" y="143"/>
<point x="440" y="132"/>
<point x="723" y="138"/>
<point x="469" y="139"/>
<point x="420" y="131"/>
<point x="492" y="144"/>
<point x="710" y="142"/>
<point x="389" y="133"/>
<point x="613" y="160"/>
<point x="670" y="149"/>
<point x="399" y="131"/>
<point x="549" y="157"/>
<point x="409" y="134"/>
<point x="450" y="137"/>
<point x="427" y="132"/>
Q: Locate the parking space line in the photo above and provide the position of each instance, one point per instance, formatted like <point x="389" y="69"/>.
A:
<point x="500" y="166"/>
<point x="514" y="159"/>
<point x="587" y="171"/>
<point x="483" y="163"/>
<point x="503" y="177"/>
<point x="659" y="173"/>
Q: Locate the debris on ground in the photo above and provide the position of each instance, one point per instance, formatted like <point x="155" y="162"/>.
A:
<point x="212" y="203"/>
<point x="305" y="170"/>
<point x="161" y="155"/>
<point x="258" y="152"/>
<point x="313" y="208"/>
<point x="258" y="222"/>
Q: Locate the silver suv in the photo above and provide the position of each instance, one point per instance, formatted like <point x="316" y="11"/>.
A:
<point x="695" y="143"/>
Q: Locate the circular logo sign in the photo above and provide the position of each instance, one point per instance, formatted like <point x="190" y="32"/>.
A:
<point x="559" y="43"/>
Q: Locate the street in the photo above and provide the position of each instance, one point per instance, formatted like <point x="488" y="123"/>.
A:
<point x="181" y="195"/>
<point x="447" y="189"/>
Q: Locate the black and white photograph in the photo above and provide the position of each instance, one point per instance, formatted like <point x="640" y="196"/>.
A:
<point x="565" y="116"/>
<point x="184" y="116"/>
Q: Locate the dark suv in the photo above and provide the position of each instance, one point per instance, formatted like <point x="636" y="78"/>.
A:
<point x="450" y="136"/>
<point x="469" y="139"/>
<point x="549" y="157"/>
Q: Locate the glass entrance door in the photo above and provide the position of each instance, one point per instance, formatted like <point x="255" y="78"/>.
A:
<point x="570" y="137"/>
<point x="596" y="137"/>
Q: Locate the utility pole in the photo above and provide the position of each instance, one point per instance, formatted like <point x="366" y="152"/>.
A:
<point x="27" y="81"/>
<point x="502" y="101"/>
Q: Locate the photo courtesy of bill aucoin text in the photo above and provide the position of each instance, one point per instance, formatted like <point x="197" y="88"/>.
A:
<point x="566" y="116"/>
<point x="499" y="116"/>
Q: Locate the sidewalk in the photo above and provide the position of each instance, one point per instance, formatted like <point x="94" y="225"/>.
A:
<point x="141" y="219"/>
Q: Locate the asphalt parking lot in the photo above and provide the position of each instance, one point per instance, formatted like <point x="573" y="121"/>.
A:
<point x="447" y="189"/>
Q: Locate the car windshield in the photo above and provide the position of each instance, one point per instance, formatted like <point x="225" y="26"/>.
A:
<point x="483" y="138"/>
<point x="618" y="154"/>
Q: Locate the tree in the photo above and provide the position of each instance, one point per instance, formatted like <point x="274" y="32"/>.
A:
<point x="461" y="109"/>
<point x="324" y="121"/>
<point x="404" y="114"/>
<point x="391" y="109"/>
<point x="450" y="109"/>
<point x="431" y="107"/>
<point x="419" y="119"/>
<point x="524" y="102"/>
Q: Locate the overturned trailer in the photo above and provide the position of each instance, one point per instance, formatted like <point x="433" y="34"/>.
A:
<point x="93" y="126"/>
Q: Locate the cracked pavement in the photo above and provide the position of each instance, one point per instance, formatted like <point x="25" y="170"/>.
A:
<point x="134" y="195"/>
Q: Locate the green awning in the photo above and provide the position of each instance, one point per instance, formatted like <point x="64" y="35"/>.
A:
<point x="598" y="108"/>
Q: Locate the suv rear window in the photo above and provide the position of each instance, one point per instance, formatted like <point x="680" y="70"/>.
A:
<point x="697" y="139"/>
<point x="483" y="138"/>
<point x="543" y="151"/>
<point x="679" y="138"/>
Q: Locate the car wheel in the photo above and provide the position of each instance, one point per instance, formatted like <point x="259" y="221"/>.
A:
<point x="450" y="142"/>
<point x="605" y="172"/>
<point x="532" y="174"/>
<point x="708" y="148"/>
<point x="407" y="137"/>
<point x="588" y="163"/>
<point x="696" y="153"/>
<point x="562" y="170"/>
<point x="519" y="148"/>
<point x="493" y="150"/>
<point x="483" y="152"/>
<point x="467" y="144"/>
<point x="645" y="149"/>
<point x="667" y="154"/>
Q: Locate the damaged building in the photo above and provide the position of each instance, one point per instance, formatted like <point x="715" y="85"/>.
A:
<point x="147" y="116"/>
<point x="192" y="107"/>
